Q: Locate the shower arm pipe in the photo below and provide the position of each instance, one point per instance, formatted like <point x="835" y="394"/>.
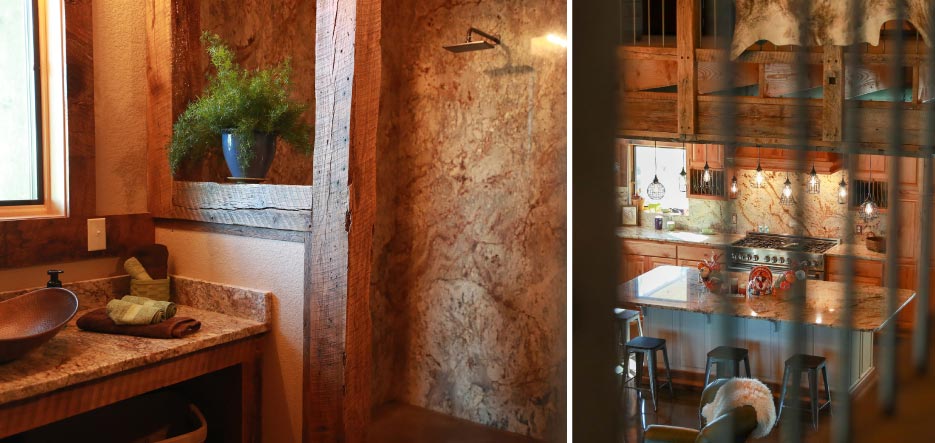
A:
<point x="482" y="34"/>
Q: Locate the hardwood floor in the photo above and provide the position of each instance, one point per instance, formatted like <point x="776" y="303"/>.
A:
<point x="399" y="423"/>
<point x="682" y="410"/>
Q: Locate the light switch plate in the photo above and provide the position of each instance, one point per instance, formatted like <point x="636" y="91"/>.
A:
<point x="97" y="234"/>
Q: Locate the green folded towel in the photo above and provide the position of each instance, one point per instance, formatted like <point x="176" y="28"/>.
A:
<point x="126" y="313"/>
<point x="136" y="269"/>
<point x="167" y="307"/>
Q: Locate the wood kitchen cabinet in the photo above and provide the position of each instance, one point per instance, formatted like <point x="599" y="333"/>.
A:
<point x="868" y="272"/>
<point x="641" y="256"/>
<point x="715" y="155"/>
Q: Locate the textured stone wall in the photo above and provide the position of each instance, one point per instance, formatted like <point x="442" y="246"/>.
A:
<point x="469" y="254"/>
<point x="822" y="216"/>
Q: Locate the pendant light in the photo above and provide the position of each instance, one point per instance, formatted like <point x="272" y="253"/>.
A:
<point x="655" y="190"/>
<point x="759" y="180"/>
<point x="814" y="184"/>
<point x="733" y="187"/>
<point x="786" y="197"/>
<point x="706" y="176"/>
<point x="868" y="209"/>
<point x="683" y="176"/>
<point x="842" y="191"/>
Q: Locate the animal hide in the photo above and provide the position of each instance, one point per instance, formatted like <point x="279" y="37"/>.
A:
<point x="739" y="392"/>
<point x="776" y="21"/>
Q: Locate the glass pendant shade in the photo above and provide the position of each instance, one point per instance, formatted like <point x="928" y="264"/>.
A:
<point x="656" y="190"/>
<point x="842" y="192"/>
<point x="786" y="197"/>
<point x="706" y="177"/>
<point x="758" y="179"/>
<point x="814" y="184"/>
<point x="733" y="187"/>
<point x="683" y="180"/>
<point x="868" y="209"/>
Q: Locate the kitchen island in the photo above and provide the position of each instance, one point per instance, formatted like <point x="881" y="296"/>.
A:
<point x="677" y="307"/>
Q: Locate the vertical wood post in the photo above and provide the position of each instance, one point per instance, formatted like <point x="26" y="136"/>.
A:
<point x="687" y="38"/>
<point x="833" y="82"/>
<point x="336" y="382"/>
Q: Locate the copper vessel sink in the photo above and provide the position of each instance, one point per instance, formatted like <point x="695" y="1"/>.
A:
<point x="28" y="321"/>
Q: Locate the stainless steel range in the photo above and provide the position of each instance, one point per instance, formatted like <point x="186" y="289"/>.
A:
<point x="778" y="251"/>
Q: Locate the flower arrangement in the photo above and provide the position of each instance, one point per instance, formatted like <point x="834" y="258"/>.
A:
<point x="710" y="271"/>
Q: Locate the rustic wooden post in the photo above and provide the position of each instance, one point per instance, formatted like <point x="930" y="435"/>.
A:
<point x="687" y="38"/>
<point x="833" y="83"/>
<point x="336" y="383"/>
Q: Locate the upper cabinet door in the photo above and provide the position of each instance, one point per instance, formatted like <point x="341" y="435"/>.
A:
<point x="871" y="164"/>
<point x="715" y="156"/>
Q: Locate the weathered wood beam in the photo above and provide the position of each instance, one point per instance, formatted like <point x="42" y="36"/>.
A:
<point x="687" y="24"/>
<point x="241" y="231"/>
<point x="336" y="387"/>
<point x="812" y="58"/>
<point x="833" y="83"/>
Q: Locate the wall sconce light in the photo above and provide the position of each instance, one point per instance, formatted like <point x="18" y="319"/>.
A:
<point x="733" y="187"/>
<point x="842" y="191"/>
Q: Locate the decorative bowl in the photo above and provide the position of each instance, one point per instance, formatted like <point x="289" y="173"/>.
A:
<point x="31" y="319"/>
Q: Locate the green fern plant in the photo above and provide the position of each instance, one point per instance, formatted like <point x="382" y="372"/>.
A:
<point x="242" y="102"/>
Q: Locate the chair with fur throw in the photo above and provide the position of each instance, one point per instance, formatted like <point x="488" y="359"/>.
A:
<point x="731" y="410"/>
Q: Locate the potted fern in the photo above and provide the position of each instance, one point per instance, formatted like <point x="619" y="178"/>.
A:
<point x="244" y="112"/>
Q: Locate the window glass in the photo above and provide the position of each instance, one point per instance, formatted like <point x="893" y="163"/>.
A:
<point x="667" y="164"/>
<point x="20" y="174"/>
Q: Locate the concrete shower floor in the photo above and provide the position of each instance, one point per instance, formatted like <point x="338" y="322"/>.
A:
<point x="399" y="423"/>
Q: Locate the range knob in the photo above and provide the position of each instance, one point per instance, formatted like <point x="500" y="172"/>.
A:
<point x="766" y="259"/>
<point x="756" y="258"/>
<point x="775" y="259"/>
<point x="782" y="259"/>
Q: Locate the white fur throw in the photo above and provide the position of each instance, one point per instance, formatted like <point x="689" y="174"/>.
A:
<point x="738" y="392"/>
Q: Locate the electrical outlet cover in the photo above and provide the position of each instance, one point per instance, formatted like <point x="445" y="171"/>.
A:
<point x="97" y="234"/>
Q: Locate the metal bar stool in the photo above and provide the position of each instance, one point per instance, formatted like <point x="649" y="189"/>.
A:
<point x="722" y="355"/>
<point x="812" y="364"/>
<point x="625" y="318"/>
<point x="648" y="346"/>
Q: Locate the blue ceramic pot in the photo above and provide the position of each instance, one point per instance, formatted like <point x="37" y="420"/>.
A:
<point x="264" y="148"/>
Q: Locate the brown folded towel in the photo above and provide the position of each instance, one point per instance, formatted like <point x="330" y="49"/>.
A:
<point x="175" y="327"/>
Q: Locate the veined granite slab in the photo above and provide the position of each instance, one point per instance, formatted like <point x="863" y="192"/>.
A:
<point x="680" y="288"/>
<point x="860" y="251"/>
<point x="650" y="233"/>
<point x="74" y="356"/>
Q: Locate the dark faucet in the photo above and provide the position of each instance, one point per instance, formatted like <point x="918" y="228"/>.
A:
<point x="54" y="282"/>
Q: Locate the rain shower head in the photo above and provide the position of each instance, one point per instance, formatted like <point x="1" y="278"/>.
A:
<point x="487" y="42"/>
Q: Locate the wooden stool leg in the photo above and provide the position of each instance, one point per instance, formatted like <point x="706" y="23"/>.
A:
<point x="707" y="370"/>
<point x="746" y="365"/>
<point x="782" y="395"/>
<point x="652" y="377"/>
<point x="824" y="378"/>
<point x="813" y="393"/>
<point x="665" y="358"/>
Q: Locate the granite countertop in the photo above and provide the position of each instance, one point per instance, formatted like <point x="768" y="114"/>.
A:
<point x="860" y="251"/>
<point x="650" y="233"/>
<point x="680" y="288"/>
<point x="74" y="356"/>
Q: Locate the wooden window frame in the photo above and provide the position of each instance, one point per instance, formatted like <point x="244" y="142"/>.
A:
<point x="49" y="34"/>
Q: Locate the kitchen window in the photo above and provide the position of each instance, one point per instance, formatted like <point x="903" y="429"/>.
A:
<point x="667" y="164"/>
<point x="32" y="110"/>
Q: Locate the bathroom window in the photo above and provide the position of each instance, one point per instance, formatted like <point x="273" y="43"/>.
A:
<point x="667" y="164"/>
<point x="32" y="109"/>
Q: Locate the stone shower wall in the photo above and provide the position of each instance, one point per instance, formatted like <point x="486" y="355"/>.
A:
<point x="469" y="249"/>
